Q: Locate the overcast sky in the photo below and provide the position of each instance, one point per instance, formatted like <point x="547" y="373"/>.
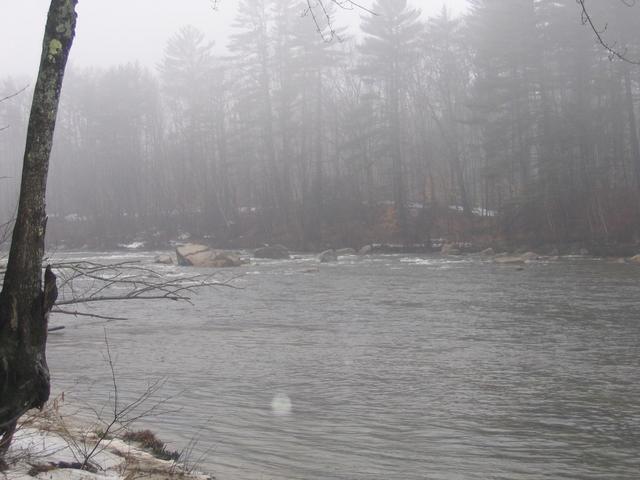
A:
<point x="112" y="32"/>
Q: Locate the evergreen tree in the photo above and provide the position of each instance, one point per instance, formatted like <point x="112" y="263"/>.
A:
<point x="389" y="51"/>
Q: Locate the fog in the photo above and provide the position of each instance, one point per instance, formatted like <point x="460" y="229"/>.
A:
<point x="245" y="125"/>
<point x="120" y="31"/>
<point x="432" y="216"/>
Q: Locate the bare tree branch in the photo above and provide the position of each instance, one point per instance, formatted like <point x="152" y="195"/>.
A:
<point x="321" y="16"/>
<point x="83" y="314"/>
<point x="8" y="97"/>
<point x="15" y="94"/>
<point x="612" y="48"/>
<point x="112" y="419"/>
<point x="88" y="282"/>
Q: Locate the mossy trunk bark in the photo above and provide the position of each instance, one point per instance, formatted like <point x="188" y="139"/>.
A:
<point x="24" y="303"/>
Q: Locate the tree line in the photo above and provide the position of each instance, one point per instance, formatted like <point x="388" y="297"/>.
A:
<point x="510" y="123"/>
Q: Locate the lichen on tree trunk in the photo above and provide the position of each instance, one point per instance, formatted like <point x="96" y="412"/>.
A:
<point x="24" y="305"/>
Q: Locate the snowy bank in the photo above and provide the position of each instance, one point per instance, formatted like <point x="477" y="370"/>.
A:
<point x="46" y="447"/>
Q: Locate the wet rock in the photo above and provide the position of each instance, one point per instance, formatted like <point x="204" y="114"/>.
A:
<point x="274" y="252"/>
<point x="529" y="256"/>
<point x="345" y="251"/>
<point x="366" y="250"/>
<point x="328" y="256"/>
<point x="226" y="259"/>
<point x="488" y="252"/>
<point x="450" y="249"/>
<point x="635" y="259"/>
<point x="187" y="254"/>
<point x="195" y="255"/>
<point x="163" y="259"/>
<point x="408" y="249"/>
<point x="509" y="260"/>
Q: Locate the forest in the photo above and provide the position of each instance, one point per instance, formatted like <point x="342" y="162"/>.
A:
<point x="510" y="124"/>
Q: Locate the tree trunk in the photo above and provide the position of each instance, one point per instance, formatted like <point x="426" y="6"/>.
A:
<point x="633" y="126"/>
<point x="24" y="305"/>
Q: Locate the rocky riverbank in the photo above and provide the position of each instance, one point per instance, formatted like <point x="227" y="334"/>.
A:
<point x="620" y="254"/>
<point x="50" y="446"/>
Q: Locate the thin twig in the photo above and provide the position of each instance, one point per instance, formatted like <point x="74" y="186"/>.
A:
<point x="611" y="48"/>
<point x="84" y="314"/>
<point x="15" y="94"/>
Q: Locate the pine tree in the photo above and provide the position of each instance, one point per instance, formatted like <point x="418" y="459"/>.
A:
<point x="389" y="51"/>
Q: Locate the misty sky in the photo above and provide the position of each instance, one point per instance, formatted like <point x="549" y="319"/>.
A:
<point x="112" y="32"/>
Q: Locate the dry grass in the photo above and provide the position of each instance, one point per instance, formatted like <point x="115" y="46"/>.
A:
<point x="150" y="442"/>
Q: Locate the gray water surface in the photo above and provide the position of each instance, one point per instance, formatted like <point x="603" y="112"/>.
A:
<point x="396" y="368"/>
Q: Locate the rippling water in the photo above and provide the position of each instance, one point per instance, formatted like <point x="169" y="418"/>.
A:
<point x="385" y="367"/>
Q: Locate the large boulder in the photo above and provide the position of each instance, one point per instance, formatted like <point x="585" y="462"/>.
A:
<point x="227" y="259"/>
<point x="345" y="251"/>
<point x="366" y="250"/>
<point x="194" y="255"/>
<point x="189" y="253"/>
<point x="450" y="249"/>
<point x="163" y="259"/>
<point x="635" y="259"/>
<point x="328" y="256"/>
<point x="274" y="252"/>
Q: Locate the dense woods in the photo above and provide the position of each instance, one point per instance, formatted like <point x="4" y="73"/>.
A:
<point x="509" y="124"/>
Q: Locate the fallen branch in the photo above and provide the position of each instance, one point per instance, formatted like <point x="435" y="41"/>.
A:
<point x="75" y="313"/>
<point x="87" y="282"/>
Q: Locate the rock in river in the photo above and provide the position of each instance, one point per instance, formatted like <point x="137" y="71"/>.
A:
<point x="328" y="256"/>
<point x="275" y="252"/>
<point x="450" y="249"/>
<point x="509" y="260"/>
<point x="164" y="259"/>
<point x="195" y="255"/>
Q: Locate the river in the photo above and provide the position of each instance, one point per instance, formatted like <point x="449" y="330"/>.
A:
<point x="382" y="367"/>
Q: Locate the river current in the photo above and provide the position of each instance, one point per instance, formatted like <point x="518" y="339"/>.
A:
<point x="381" y="367"/>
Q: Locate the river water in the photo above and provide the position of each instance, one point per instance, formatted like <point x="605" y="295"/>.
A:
<point x="382" y="367"/>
